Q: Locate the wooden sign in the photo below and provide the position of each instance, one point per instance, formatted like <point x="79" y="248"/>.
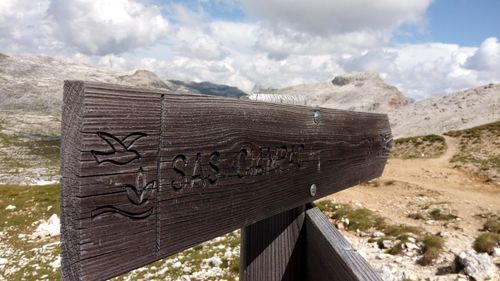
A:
<point x="148" y="173"/>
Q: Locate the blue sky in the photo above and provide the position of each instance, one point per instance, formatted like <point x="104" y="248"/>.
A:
<point x="424" y="47"/>
<point x="463" y="22"/>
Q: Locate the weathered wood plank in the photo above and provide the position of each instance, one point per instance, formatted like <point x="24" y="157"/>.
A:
<point x="273" y="249"/>
<point x="150" y="173"/>
<point x="329" y="254"/>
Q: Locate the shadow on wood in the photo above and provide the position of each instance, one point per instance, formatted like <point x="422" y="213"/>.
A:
<point x="300" y="245"/>
<point x="272" y="249"/>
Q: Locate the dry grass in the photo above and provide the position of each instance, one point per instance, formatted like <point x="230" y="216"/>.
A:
<point x="479" y="150"/>
<point x="433" y="246"/>
<point x="438" y="215"/>
<point x="486" y="242"/>
<point x="430" y="146"/>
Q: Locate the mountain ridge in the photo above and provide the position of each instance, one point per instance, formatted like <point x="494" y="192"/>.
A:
<point x="33" y="84"/>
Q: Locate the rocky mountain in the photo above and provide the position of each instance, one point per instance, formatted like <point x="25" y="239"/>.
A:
<point x="32" y="83"/>
<point x="360" y="91"/>
<point x="207" y="88"/>
<point x="453" y="111"/>
<point x="368" y="92"/>
<point x="145" y="78"/>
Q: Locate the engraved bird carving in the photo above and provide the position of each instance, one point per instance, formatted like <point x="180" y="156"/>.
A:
<point x="139" y="193"/>
<point x="121" y="152"/>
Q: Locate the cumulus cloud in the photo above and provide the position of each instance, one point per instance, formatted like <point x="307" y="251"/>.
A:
<point x="486" y="60"/>
<point x="419" y="70"/>
<point x="323" y="17"/>
<point x="290" y="43"/>
<point x="106" y="27"/>
<point x="199" y="45"/>
<point x="24" y="27"/>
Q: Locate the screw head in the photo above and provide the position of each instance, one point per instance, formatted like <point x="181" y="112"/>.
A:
<point x="312" y="190"/>
<point x="317" y="116"/>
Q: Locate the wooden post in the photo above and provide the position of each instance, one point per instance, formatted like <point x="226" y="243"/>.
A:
<point x="273" y="249"/>
<point x="329" y="256"/>
<point x="300" y="245"/>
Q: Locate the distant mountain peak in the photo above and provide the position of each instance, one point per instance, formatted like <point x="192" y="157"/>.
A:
<point x="144" y="78"/>
<point x="208" y="88"/>
<point x="356" y="78"/>
<point x="34" y="83"/>
<point x="359" y="91"/>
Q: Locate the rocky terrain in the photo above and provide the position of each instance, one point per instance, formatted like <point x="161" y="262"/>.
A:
<point x="368" y="92"/>
<point x="427" y="197"/>
<point x="356" y="91"/>
<point x="33" y="83"/>
<point x="454" y="111"/>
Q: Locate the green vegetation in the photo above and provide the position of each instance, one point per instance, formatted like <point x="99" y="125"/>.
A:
<point x="204" y="256"/>
<point x="47" y="149"/>
<point x="33" y="257"/>
<point x="33" y="203"/>
<point x="433" y="211"/>
<point x="479" y="150"/>
<point x="433" y="246"/>
<point x="438" y="215"/>
<point x="476" y="132"/>
<point x="363" y="219"/>
<point x="485" y="242"/>
<point x="429" y="146"/>
<point x="359" y="219"/>
<point x="493" y="225"/>
<point x="416" y="216"/>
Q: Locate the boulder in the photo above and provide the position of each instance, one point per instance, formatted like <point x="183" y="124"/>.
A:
<point x="10" y="208"/>
<point x="50" y="228"/>
<point x="477" y="266"/>
<point x="496" y="252"/>
<point x="387" y="244"/>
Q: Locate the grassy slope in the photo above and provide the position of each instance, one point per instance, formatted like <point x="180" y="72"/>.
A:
<point x="479" y="150"/>
<point x="31" y="258"/>
<point x="20" y="153"/>
<point x="429" y="146"/>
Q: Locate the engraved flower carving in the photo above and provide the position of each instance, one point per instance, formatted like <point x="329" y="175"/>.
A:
<point x="140" y="193"/>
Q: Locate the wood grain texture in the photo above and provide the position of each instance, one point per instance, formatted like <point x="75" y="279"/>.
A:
<point x="329" y="254"/>
<point x="149" y="173"/>
<point x="273" y="249"/>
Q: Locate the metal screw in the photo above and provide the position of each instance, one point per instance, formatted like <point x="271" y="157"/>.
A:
<point x="317" y="116"/>
<point x="312" y="190"/>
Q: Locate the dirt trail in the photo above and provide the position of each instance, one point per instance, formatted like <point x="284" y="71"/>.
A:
<point x="418" y="185"/>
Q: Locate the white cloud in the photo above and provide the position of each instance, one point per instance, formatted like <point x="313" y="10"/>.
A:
<point x="288" y="42"/>
<point x="23" y="26"/>
<point x="419" y="70"/>
<point x="106" y="27"/>
<point x="197" y="45"/>
<point x="486" y="60"/>
<point x="292" y="43"/>
<point x="322" y="17"/>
